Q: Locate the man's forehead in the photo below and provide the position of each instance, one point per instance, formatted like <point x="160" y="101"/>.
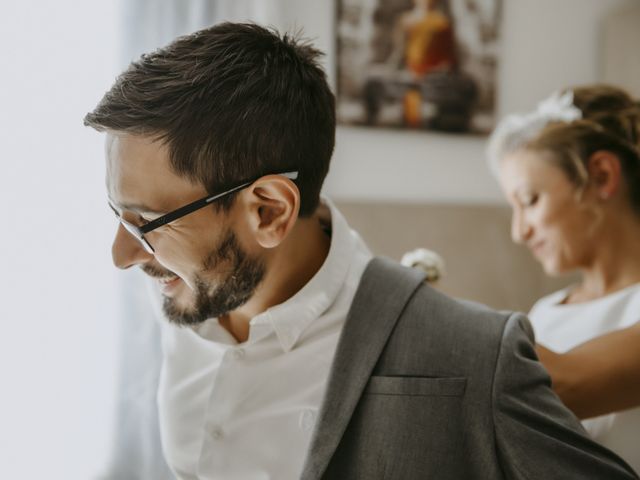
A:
<point x="138" y="175"/>
<point x="134" y="151"/>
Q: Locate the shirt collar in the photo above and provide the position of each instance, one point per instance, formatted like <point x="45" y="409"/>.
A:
<point x="291" y="318"/>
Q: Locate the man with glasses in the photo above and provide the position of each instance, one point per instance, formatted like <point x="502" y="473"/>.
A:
<point x="289" y="352"/>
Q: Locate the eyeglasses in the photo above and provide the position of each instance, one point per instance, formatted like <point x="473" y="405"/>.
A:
<point x="139" y="231"/>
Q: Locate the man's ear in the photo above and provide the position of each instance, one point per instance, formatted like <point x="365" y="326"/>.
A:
<point x="605" y="173"/>
<point x="273" y="203"/>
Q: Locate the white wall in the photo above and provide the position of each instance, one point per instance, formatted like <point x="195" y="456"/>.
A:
<point x="546" y="45"/>
<point x="57" y="289"/>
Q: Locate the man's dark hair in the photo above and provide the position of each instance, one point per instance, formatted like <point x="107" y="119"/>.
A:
<point x="232" y="102"/>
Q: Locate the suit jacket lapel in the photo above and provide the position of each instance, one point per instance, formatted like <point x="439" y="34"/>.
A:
<point x="382" y="294"/>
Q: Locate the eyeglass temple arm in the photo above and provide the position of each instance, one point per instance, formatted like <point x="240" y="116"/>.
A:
<point x="193" y="206"/>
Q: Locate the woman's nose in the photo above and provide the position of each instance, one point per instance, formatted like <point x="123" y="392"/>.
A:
<point x="520" y="228"/>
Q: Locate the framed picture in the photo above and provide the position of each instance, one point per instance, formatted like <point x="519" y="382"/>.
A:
<point x="419" y="64"/>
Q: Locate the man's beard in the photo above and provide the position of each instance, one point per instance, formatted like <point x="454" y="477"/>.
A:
<point x="226" y="295"/>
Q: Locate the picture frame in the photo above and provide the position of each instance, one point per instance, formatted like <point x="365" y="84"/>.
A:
<point x="418" y="64"/>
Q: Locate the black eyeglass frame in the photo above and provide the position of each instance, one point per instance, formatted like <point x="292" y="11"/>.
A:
<point x="139" y="231"/>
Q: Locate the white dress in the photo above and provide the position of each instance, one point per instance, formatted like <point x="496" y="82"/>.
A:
<point x="562" y="327"/>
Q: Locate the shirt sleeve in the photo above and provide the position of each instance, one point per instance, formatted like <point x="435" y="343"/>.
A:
<point x="537" y="437"/>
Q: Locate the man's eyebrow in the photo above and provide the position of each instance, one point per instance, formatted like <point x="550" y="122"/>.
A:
<point x="140" y="208"/>
<point x="137" y="208"/>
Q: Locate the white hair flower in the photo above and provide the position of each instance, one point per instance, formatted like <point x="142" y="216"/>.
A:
<point x="426" y="260"/>
<point x="559" y="107"/>
<point x="517" y="129"/>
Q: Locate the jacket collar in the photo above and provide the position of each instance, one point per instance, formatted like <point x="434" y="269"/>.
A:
<point x="383" y="292"/>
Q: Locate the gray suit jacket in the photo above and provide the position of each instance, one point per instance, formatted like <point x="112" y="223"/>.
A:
<point x="427" y="387"/>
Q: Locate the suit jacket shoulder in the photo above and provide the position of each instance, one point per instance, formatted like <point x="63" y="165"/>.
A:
<point x="442" y="336"/>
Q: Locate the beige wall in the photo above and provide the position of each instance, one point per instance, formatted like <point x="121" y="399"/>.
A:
<point x="482" y="262"/>
<point x="620" y="36"/>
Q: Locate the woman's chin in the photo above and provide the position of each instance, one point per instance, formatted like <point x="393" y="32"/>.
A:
<point x="554" y="268"/>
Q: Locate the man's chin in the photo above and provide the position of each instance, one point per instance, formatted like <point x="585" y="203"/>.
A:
<point x="181" y="313"/>
<point x="179" y="302"/>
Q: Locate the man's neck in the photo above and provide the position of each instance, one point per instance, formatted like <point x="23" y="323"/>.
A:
<point x="289" y="268"/>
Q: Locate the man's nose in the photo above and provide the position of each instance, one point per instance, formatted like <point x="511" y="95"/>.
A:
<point x="127" y="251"/>
<point x="520" y="228"/>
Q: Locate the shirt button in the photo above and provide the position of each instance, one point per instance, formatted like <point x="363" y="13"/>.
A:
<point x="307" y="420"/>
<point x="238" y="353"/>
<point x="217" y="433"/>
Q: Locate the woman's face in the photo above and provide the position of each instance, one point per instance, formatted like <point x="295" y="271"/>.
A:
<point x="549" y="214"/>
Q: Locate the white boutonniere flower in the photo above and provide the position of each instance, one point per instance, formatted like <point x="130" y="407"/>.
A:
<point x="426" y="260"/>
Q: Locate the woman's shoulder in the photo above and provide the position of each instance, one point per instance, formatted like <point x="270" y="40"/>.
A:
<point x="558" y="299"/>
<point x="551" y="316"/>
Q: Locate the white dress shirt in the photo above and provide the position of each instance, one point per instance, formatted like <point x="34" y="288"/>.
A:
<point x="247" y="411"/>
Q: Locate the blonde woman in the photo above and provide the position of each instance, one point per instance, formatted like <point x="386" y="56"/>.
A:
<point x="571" y="173"/>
